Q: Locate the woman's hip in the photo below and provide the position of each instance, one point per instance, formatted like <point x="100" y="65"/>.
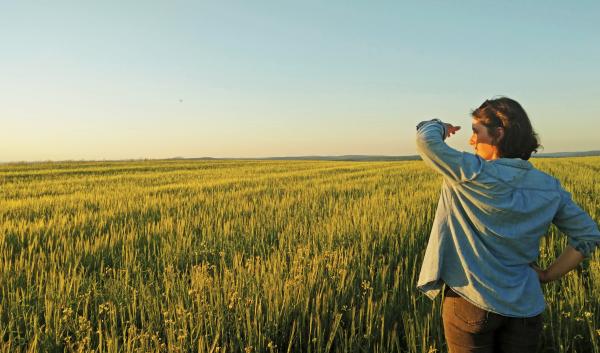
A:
<point x="469" y="328"/>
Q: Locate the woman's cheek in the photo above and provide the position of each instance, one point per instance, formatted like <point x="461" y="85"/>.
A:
<point x="472" y="141"/>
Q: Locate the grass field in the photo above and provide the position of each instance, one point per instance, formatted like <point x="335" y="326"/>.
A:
<point x="245" y="256"/>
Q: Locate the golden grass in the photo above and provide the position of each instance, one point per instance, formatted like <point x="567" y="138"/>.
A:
<point x="244" y="256"/>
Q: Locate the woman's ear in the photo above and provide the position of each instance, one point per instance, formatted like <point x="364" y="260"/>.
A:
<point x="499" y="135"/>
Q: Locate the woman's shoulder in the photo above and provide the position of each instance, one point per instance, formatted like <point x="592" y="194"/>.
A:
<point x="543" y="180"/>
<point x="520" y="174"/>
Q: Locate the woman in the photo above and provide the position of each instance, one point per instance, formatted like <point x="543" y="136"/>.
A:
<point x="493" y="210"/>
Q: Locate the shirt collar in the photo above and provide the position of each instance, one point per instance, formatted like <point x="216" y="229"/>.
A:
<point x="514" y="162"/>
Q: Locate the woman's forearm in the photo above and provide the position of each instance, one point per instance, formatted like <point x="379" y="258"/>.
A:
<point x="568" y="260"/>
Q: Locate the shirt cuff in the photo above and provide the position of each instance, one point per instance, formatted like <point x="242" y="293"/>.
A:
<point x="445" y="131"/>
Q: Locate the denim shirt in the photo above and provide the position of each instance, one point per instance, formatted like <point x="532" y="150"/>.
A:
<point x="489" y="221"/>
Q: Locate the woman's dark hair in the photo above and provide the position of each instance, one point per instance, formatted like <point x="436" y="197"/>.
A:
<point x="519" y="140"/>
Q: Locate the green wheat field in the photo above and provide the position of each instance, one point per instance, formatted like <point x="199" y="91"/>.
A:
<point x="245" y="256"/>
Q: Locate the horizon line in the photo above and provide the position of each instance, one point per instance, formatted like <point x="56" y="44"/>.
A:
<point x="345" y="157"/>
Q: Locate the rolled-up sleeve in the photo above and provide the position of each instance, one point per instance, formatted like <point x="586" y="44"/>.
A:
<point x="581" y="230"/>
<point x="455" y="165"/>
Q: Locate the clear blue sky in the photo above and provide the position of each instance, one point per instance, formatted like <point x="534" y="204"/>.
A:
<point x="150" y="79"/>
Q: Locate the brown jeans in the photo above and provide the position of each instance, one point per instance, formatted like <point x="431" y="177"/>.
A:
<point x="469" y="328"/>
